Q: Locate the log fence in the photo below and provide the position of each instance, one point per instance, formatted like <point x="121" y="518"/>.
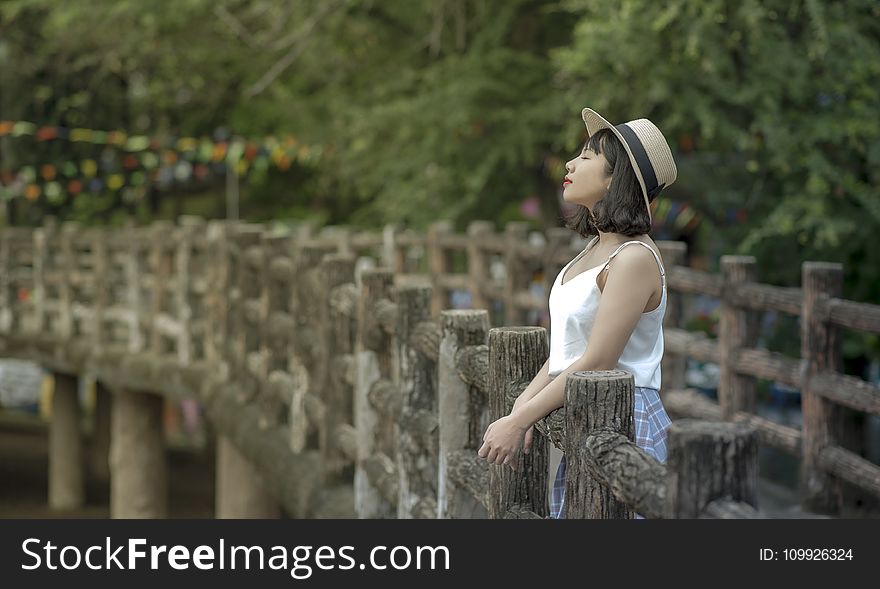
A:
<point x="339" y="388"/>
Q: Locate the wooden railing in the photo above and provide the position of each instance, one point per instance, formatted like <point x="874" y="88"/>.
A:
<point x="825" y="464"/>
<point x="351" y="389"/>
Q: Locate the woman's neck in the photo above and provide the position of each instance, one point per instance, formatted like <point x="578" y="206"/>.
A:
<point x="610" y="238"/>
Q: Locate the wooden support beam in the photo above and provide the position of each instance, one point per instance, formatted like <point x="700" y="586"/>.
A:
<point x="515" y="355"/>
<point x="594" y="401"/>
<point x="416" y="424"/>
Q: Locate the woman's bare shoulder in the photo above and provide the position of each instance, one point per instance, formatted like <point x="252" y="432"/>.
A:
<point x="634" y="264"/>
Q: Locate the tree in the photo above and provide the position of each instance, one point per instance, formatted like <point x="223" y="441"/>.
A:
<point x="773" y="106"/>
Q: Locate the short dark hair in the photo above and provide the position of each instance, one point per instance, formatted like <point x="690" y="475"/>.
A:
<point x="622" y="209"/>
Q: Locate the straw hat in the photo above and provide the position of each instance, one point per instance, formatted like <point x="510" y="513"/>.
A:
<point x="647" y="148"/>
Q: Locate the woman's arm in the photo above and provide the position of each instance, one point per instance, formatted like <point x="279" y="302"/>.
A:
<point x="627" y="290"/>
<point x="540" y="380"/>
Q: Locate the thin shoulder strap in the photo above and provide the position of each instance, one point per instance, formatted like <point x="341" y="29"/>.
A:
<point x="650" y="249"/>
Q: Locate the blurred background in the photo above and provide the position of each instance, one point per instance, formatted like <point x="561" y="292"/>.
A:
<point x="367" y="112"/>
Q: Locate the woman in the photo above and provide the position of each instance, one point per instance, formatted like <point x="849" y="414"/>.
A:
<point x="603" y="315"/>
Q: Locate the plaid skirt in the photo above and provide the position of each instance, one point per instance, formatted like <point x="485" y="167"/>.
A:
<point x="651" y="422"/>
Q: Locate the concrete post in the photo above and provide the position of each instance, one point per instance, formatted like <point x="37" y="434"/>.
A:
<point x="138" y="469"/>
<point x="66" y="477"/>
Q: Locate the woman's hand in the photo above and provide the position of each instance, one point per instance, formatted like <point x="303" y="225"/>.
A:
<point x="527" y="442"/>
<point x="502" y="441"/>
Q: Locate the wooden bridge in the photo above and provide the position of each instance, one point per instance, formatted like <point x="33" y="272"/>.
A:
<point x="341" y="385"/>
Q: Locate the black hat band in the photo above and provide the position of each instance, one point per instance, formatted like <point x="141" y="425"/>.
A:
<point x="638" y="151"/>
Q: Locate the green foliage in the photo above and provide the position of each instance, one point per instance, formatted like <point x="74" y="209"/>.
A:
<point x="780" y="102"/>
<point x="459" y="109"/>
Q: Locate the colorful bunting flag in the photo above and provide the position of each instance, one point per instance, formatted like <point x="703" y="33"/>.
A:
<point x="144" y="159"/>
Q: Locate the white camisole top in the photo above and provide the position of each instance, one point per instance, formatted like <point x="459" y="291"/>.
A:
<point x="573" y="307"/>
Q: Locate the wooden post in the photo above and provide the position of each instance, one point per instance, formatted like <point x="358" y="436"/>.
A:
<point x="374" y="361"/>
<point x="46" y="275"/>
<point x="100" y="273"/>
<point x="393" y="254"/>
<point x="67" y="268"/>
<point x="66" y="477"/>
<point x="42" y="236"/>
<point x="240" y="490"/>
<point x="417" y="422"/>
<point x="254" y="303"/>
<point x="277" y="329"/>
<point x="118" y="322"/>
<point x="182" y="310"/>
<point x="515" y="233"/>
<point x="235" y="310"/>
<point x="594" y="400"/>
<point x="339" y="238"/>
<point x="138" y="471"/>
<point x="134" y="270"/>
<point x="309" y="347"/>
<point x="737" y="330"/>
<point x="516" y="354"/>
<point x="336" y="270"/>
<point x="7" y="291"/>
<point x="821" y="492"/>
<point x="306" y="343"/>
<point x="160" y="270"/>
<point x="463" y="410"/>
<point x="247" y="327"/>
<point x="709" y="460"/>
<point x="186" y="271"/>
<point x="478" y="270"/>
<point x="673" y="366"/>
<point x="217" y="295"/>
<point x="438" y="260"/>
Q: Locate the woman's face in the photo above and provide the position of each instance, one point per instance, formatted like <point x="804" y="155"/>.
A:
<point x="586" y="180"/>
